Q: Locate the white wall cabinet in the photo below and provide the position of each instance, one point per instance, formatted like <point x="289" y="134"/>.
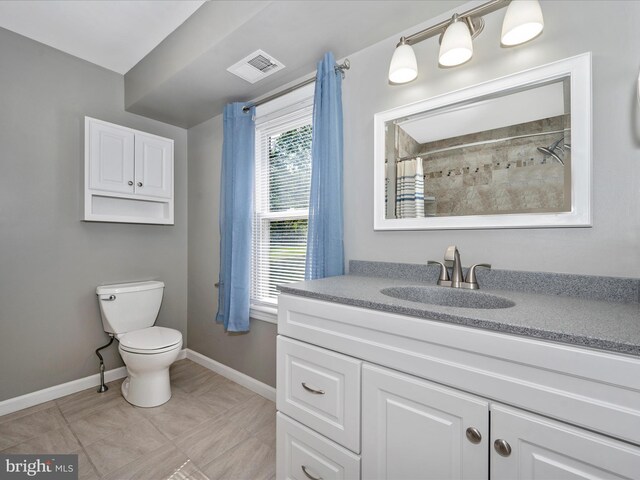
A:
<point x="111" y="157"/>
<point x="442" y="401"/>
<point x="128" y="175"/>
<point x="154" y="166"/>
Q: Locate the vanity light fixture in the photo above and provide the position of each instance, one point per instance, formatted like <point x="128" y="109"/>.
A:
<point x="404" y="66"/>
<point x="457" y="46"/>
<point x="523" y="21"/>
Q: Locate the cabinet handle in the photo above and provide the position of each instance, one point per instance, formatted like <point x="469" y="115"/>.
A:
<point x="304" y="470"/>
<point x="474" y="435"/>
<point x="502" y="447"/>
<point x="130" y="182"/>
<point x="312" y="390"/>
<point x="139" y="184"/>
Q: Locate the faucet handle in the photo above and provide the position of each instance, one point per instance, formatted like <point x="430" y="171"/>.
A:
<point x="444" y="273"/>
<point x="471" y="281"/>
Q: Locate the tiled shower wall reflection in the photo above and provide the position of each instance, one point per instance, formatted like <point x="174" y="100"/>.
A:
<point x="492" y="173"/>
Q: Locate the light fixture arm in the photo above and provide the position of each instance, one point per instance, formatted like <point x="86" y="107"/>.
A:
<point x="467" y="16"/>
<point x="475" y="25"/>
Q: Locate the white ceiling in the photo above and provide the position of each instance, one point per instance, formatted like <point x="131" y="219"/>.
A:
<point x="185" y="81"/>
<point x="113" y="34"/>
<point x="175" y="52"/>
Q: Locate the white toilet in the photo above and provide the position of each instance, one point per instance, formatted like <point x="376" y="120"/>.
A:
<point x="129" y="311"/>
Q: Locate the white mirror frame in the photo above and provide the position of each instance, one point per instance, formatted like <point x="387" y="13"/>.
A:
<point x="578" y="69"/>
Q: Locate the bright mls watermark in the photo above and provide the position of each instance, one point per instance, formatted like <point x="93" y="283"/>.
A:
<point x="49" y="467"/>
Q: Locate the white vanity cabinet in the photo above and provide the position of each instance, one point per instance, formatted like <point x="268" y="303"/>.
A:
<point x="320" y="389"/>
<point x="128" y="175"/>
<point x="528" y="446"/>
<point x="304" y="454"/>
<point x="413" y="429"/>
<point x="439" y="401"/>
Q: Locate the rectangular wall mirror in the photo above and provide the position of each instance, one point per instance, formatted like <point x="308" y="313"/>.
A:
<point x="508" y="153"/>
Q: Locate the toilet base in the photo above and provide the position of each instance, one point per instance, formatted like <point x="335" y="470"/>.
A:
<point x="148" y="384"/>
<point x="145" y="393"/>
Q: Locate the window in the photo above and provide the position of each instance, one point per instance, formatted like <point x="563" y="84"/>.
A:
<point x="282" y="183"/>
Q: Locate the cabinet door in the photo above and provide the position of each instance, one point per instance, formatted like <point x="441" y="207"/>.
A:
<point x="539" y="448"/>
<point x="111" y="153"/>
<point x="154" y="166"/>
<point x="414" y="429"/>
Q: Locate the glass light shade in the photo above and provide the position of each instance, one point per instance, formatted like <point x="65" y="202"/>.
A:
<point x="457" y="46"/>
<point x="522" y="22"/>
<point x="404" y="66"/>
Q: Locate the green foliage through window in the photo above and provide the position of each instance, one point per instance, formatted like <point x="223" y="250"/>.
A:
<point x="283" y="181"/>
<point x="290" y="161"/>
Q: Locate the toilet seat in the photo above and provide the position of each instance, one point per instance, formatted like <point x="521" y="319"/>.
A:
<point x="152" y="340"/>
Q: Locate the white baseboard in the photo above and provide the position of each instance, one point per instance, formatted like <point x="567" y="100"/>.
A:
<point x="34" y="398"/>
<point x="240" y="378"/>
<point x="57" y="391"/>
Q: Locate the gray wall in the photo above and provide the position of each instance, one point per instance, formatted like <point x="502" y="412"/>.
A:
<point x="50" y="261"/>
<point x="612" y="246"/>
<point x="253" y="353"/>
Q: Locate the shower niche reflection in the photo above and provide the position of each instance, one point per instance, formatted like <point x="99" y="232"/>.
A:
<point x="513" y="152"/>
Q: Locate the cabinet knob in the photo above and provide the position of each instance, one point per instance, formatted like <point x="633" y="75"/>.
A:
<point x="130" y="182"/>
<point x="474" y="435"/>
<point x="139" y="184"/>
<point x="312" y="477"/>
<point x="502" y="447"/>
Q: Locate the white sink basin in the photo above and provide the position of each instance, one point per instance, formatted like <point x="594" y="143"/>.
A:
<point x="448" y="297"/>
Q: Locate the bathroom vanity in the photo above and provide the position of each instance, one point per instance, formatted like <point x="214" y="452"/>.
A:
<point x="371" y="386"/>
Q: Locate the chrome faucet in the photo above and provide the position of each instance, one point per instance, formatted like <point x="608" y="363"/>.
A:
<point x="452" y="260"/>
<point x="457" y="280"/>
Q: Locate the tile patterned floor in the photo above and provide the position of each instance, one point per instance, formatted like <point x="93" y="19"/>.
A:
<point x="211" y="428"/>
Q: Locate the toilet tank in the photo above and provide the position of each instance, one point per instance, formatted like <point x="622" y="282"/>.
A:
<point x="129" y="306"/>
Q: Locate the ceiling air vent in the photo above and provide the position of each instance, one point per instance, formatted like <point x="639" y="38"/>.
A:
<point x="256" y="66"/>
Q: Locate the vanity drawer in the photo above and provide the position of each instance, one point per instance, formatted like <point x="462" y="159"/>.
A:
<point x="320" y="389"/>
<point x="303" y="454"/>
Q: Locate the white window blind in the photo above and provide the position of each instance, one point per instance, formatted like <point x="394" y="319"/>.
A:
<point x="282" y="183"/>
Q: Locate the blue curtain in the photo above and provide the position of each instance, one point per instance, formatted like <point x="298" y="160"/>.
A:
<point x="236" y="211"/>
<point x="325" y="251"/>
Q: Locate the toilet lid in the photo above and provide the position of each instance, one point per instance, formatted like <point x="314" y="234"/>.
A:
<point x="152" y="338"/>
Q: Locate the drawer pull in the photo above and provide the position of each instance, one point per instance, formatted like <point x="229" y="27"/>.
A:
<point x="312" y="390"/>
<point x="304" y="470"/>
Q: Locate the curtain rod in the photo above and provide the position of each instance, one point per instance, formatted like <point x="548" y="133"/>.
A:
<point x="346" y="65"/>
<point x="483" y="142"/>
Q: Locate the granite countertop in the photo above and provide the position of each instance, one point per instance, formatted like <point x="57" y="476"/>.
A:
<point x="576" y="320"/>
